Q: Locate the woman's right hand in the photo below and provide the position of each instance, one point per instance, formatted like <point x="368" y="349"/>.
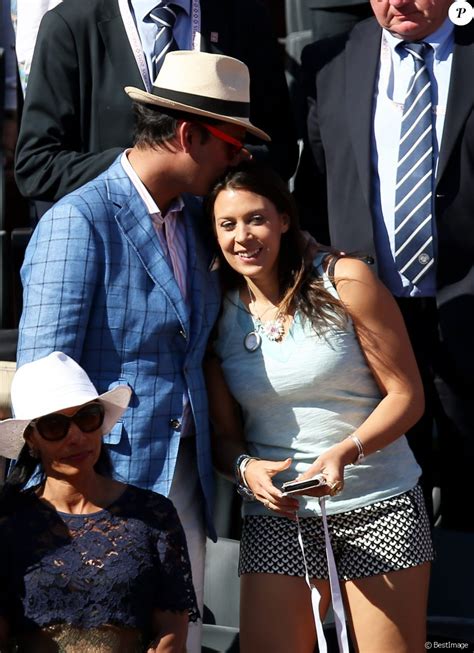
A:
<point x="259" y="474"/>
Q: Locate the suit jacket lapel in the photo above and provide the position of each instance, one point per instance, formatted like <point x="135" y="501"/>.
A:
<point x="198" y="261"/>
<point x="362" y="61"/>
<point x="119" y="51"/>
<point x="461" y="93"/>
<point x="137" y="227"/>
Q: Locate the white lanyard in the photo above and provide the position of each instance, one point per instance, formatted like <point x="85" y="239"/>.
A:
<point x="136" y="45"/>
<point x="336" y="597"/>
<point x="196" y="25"/>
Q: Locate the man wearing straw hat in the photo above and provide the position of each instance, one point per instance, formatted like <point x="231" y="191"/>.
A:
<point x="75" y="117"/>
<point x="119" y="275"/>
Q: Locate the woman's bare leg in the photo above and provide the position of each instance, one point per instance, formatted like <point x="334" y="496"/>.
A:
<point x="388" y="612"/>
<point x="276" y="613"/>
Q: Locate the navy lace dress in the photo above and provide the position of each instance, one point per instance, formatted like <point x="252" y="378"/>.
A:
<point x="90" y="583"/>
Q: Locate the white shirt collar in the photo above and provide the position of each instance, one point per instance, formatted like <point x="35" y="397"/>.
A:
<point x="176" y="205"/>
<point x="437" y="40"/>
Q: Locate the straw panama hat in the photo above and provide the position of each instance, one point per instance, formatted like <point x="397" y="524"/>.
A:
<point x="208" y="85"/>
<point x="50" y="384"/>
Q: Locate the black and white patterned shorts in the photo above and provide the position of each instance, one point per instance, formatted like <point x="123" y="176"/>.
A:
<point x="385" y="536"/>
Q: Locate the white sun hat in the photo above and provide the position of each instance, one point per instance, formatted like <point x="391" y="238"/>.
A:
<point x="51" y="384"/>
<point x="204" y="84"/>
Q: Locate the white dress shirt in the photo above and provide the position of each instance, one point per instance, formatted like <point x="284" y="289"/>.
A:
<point x="395" y="73"/>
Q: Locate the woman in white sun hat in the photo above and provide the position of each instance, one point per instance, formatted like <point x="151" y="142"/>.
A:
<point x="87" y="564"/>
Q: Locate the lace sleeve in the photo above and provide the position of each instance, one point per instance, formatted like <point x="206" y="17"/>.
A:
<point x="176" y="591"/>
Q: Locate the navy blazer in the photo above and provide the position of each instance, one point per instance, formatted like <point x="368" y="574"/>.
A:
<point x="340" y="75"/>
<point x="98" y="287"/>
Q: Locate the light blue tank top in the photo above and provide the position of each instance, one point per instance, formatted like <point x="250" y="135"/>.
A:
<point x="303" y="395"/>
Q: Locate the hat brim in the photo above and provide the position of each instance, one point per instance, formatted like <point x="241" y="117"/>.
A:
<point x="139" y="95"/>
<point x="11" y="437"/>
<point x="115" y="402"/>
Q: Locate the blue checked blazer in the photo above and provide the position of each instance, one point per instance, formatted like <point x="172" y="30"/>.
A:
<point x="97" y="287"/>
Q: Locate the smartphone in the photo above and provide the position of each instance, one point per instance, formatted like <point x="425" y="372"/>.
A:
<point x="296" y="486"/>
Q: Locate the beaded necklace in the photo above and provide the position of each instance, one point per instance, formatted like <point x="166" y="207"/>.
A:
<point x="272" y="330"/>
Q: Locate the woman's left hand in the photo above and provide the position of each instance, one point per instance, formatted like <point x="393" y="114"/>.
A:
<point x="331" y="465"/>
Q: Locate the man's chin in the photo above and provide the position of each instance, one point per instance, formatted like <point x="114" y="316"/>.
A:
<point x="407" y="29"/>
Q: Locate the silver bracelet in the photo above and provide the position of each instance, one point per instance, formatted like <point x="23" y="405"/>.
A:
<point x="243" y="489"/>
<point x="360" y="449"/>
<point x="243" y="467"/>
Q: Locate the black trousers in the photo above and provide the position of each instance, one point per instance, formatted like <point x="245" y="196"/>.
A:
<point x="443" y="440"/>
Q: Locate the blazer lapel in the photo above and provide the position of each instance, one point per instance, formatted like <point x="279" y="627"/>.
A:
<point x="137" y="227"/>
<point x="461" y="94"/>
<point x="117" y="47"/>
<point x="362" y="61"/>
<point x="199" y="260"/>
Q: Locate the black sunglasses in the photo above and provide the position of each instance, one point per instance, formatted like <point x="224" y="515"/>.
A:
<point x="55" y="426"/>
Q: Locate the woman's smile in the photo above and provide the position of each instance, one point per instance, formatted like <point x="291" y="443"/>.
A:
<point x="249" y="255"/>
<point x="249" y="230"/>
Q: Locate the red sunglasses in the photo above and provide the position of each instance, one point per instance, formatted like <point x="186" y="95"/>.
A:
<point x="236" y="145"/>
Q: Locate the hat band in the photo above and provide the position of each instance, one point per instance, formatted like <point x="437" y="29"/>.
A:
<point x="213" y="105"/>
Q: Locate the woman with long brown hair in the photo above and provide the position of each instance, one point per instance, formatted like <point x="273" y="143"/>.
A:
<point x="313" y="378"/>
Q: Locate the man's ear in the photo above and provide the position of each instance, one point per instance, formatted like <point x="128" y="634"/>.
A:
<point x="185" y="134"/>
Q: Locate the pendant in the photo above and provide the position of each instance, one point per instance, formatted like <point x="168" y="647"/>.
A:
<point x="272" y="330"/>
<point x="252" y="341"/>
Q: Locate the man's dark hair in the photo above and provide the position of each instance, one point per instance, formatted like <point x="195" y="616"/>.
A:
<point x="156" y="126"/>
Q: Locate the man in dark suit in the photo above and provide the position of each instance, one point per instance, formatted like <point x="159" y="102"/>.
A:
<point x="77" y="118"/>
<point x="359" y="89"/>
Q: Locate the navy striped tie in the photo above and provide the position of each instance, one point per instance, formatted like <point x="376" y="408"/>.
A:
<point x="164" y="18"/>
<point x="414" y="253"/>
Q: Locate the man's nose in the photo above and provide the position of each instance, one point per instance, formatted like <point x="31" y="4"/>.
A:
<point x="243" y="155"/>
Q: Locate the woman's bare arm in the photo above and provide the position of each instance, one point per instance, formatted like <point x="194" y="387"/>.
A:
<point x="386" y="346"/>
<point x="228" y="442"/>
<point x="227" y="436"/>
